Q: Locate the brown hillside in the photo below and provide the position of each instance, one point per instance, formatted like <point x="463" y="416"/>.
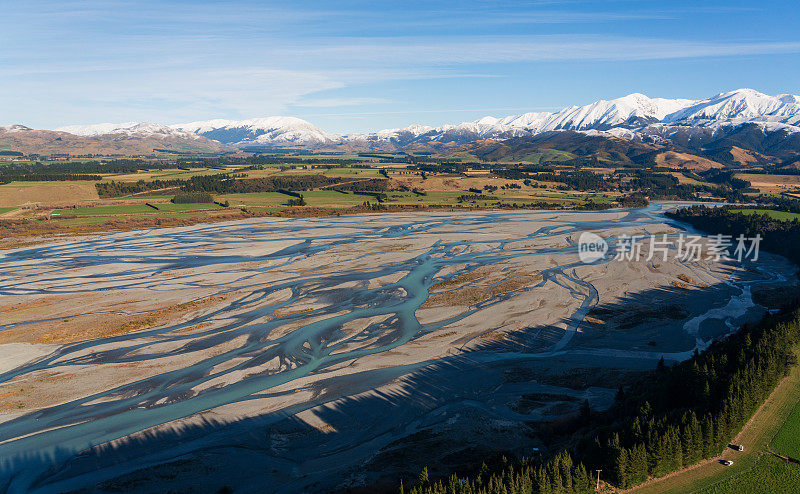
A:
<point x="52" y="142"/>
<point x="685" y="160"/>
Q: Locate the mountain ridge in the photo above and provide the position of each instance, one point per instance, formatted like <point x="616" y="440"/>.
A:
<point x="634" y="116"/>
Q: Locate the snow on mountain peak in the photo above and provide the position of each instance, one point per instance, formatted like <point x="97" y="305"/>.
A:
<point x="631" y="110"/>
<point x="488" y="121"/>
<point x="266" y="124"/>
<point x="126" y="129"/>
<point x="738" y="106"/>
<point x="625" y="116"/>
<point x="269" y="130"/>
<point x="96" y="129"/>
<point x="14" y="128"/>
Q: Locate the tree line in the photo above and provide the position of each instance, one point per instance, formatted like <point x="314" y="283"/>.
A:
<point x="227" y="183"/>
<point x="671" y="418"/>
<point x="578" y="180"/>
<point x="779" y="237"/>
<point x="122" y="165"/>
<point x="690" y="411"/>
<point x="6" y="178"/>
<point x="648" y="182"/>
<point x="561" y="474"/>
<point x="118" y="189"/>
<point x="224" y="183"/>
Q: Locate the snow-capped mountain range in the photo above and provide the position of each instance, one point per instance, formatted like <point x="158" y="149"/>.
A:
<point x="633" y="116"/>
<point x="128" y="129"/>
<point x="260" y="131"/>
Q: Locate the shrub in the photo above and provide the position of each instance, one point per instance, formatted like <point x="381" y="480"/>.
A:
<point x="296" y="201"/>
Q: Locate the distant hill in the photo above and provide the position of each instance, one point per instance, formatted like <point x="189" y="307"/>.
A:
<point x="741" y="127"/>
<point x="26" y="140"/>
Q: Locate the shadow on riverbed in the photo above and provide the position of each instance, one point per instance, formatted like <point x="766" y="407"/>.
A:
<point x="502" y="396"/>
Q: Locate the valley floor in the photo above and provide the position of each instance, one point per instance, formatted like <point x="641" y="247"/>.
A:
<point x="328" y="353"/>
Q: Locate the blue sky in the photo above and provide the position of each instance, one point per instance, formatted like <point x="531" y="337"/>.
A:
<point x="368" y="65"/>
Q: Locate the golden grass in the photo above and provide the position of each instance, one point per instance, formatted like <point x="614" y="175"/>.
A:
<point x="593" y="320"/>
<point x="392" y="247"/>
<point x="474" y="294"/>
<point x="774" y="183"/>
<point x="445" y="183"/>
<point x="192" y="329"/>
<point x="465" y="296"/>
<point x="514" y="283"/>
<point x="18" y="193"/>
<point x="284" y="311"/>
<point x="460" y="279"/>
<point x="687" y="161"/>
<point x="83" y="327"/>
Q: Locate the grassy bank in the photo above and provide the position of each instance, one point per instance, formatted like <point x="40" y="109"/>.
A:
<point x="776" y="215"/>
<point x="755" y="462"/>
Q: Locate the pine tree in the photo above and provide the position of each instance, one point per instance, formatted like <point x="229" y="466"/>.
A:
<point x="637" y="465"/>
<point x="620" y="396"/>
<point x="586" y="411"/>
<point x="423" y="476"/>
<point x="619" y="473"/>
<point x="708" y="437"/>
<point x="636" y="430"/>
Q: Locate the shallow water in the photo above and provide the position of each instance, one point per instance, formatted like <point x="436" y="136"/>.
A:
<point x="207" y="257"/>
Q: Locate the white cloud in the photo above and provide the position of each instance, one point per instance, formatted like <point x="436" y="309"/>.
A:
<point x="337" y="102"/>
<point x="88" y="60"/>
<point x="504" y="49"/>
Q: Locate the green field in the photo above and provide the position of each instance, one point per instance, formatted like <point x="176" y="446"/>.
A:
<point x="326" y="198"/>
<point x="353" y="172"/>
<point x="778" y="215"/>
<point x="787" y="441"/>
<point x="78" y="221"/>
<point x="332" y="199"/>
<point x="166" y="174"/>
<point x="122" y="209"/>
<point x="431" y="197"/>
<point x="314" y="198"/>
<point x="78" y="204"/>
<point x="770" y="475"/>
<point x="756" y="437"/>
<point x="450" y="198"/>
